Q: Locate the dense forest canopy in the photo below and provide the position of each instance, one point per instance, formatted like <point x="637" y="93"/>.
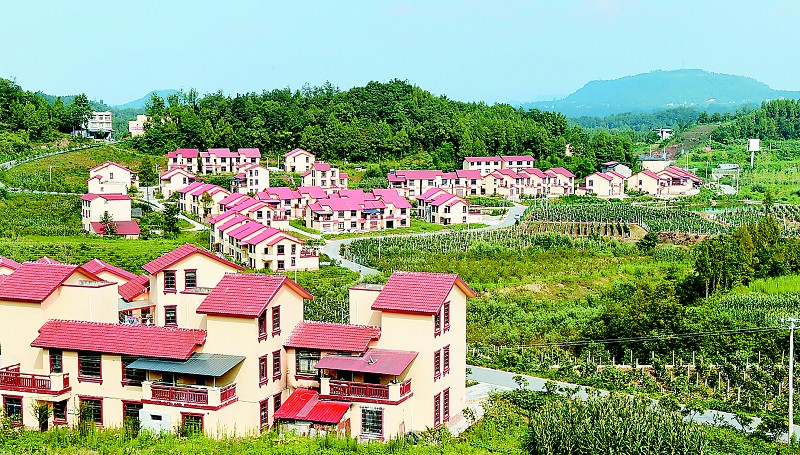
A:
<point x="777" y="119"/>
<point x="380" y="122"/>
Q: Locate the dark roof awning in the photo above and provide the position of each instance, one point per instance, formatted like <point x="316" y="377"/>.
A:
<point x="376" y="361"/>
<point x="202" y="364"/>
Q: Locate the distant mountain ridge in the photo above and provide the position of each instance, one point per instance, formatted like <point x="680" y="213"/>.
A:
<point x="140" y="103"/>
<point x="656" y="90"/>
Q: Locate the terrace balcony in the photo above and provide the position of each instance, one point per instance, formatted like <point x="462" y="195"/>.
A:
<point x="360" y="391"/>
<point x="309" y="253"/>
<point x="12" y="379"/>
<point x="189" y="395"/>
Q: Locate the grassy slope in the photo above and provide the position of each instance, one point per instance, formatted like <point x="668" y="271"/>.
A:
<point x="70" y="170"/>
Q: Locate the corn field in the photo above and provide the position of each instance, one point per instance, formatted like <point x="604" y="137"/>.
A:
<point x="611" y="425"/>
<point x="788" y="217"/>
<point x="761" y="310"/>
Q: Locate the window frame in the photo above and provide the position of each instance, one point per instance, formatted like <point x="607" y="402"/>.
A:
<point x="437" y="364"/>
<point x="58" y="417"/>
<point x="83" y="399"/>
<point x="365" y="432"/>
<point x="14" y="421"/>
<point x="186" y="279"/>
<point x="437" y="410"/>
<point x="306" y="354"/>
<point x="276" y="365"/>
<point x="126" y="404"/>
<point x="82" y="377"/>
<point x="277" y="402"/>
<point x="132" y="381"/>
<point x="437" y="324"/>
<point x="446" y="360"/>
<point x="263" y="414"/>
<point x="446" y="405"/>
<point x="446" y="316"/>
<point x="167" y="308"/>
<point x="53" y="354"/>
<point x="174" y="287"/>
<point x="263" y="370"/>
<point x="193" y="415"/>
<point x="262" y="326"/>
<point x="276" y="317"/>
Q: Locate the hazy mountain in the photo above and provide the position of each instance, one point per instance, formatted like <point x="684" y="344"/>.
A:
<point x="658" y="90"/>
<point x="139" y="104"/>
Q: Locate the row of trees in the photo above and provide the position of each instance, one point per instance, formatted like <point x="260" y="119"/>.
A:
<point x="380" y="122"/>
<point x="777" y="119"/>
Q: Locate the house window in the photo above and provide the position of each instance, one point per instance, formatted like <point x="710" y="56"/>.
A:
<point x="93" y="408"/>
<point x="12" y="408"/>
<point x="307" y="363"/>
<point x="341" y="214"/>
<point x="372" y="422"/>
<point x="276" y="365"/>
<point x="130" y="411"/>
<point x="190" y="279"/>
<point x="294" y="248"/>
<point x="262" y="326"/>
<point x="262" y="370"/>
<point x="263" y="413"/>
<point x="131" y="376"/>
<point x="192" y="423"/>
<point x="437" y="365"/>
<point x="89" y="368"/>
<point x="276" y="402"/>
<point x="446" y="316"/>
<point x="437" y="410"/>
<point x="171" y="315"/>
<point x="276" y="320"/>
<point x="294" y="262"/>
<point x="353" y="224"/>
<point x="60" y="412"/>
<point x="446" y="359"/>
<point x="56" y="361"/>
<point x="281" y="249"/>
<point x="169" y="280"/>
<point x="437" y="324"/>
<point x="352" y="213"/>
<point x="281" y="265"/>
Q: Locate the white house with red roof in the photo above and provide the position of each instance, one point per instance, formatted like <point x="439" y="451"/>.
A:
<point x="288" y="201"/>
<point x="562" y="182"/>
<point x="325" y="176"/>
<point x="174" y="180"/>
<point x="251" y="179"/>
<point x="185" y="158"/>
<point x="603" y="185"/>
<point x="681" y="181"/>
<point x="357" y="211"/>
<point x="440" y="207"/>
<point x="117" y="206"/>
<point x="226" y="353"/>
<point x="488" y="164"/>
<point x="298" y="161"/>
<point x="649" y="182"/>
<point x="111" y="178"/>
<point x="193" y="199"/>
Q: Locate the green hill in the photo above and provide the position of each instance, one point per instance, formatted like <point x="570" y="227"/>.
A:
<point x="139" y="103"/>
<point x="657" y="90"/>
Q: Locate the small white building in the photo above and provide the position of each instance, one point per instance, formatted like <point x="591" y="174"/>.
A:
<point x="298" y="160"/>
<point x="110" y="178"/>
<point x="118" y="206"/>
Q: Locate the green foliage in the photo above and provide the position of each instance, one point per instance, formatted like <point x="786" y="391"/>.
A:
<point x="611" y="425"/>
<point x="775" y="119"/>
<point x="648" y="243"/>
<point x="40" y="214"/>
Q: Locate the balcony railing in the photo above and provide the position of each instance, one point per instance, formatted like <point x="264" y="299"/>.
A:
<point x="189" y="395"/>
<point x="12" y="379"/>
<point x="309" y="253"/>
<point x="363" y="391"/>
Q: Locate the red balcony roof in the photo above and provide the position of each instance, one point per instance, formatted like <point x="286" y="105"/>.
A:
<point x="135" y="287"/>
<point x="331" y="336"/>
<point x="375" y="361"/>
<point x="304" y="405"/>
<point x="97" y="266"/>
<point x="246" y="295"/>
<point x="418" y="292"/>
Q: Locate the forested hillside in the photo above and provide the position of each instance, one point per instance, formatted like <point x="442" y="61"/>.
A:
<point x="27" y="118"/>
<point x="777" y="119"/>
<point x="381" y="122"/>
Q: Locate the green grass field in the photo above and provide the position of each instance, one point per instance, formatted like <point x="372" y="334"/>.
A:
<point x="70" y="170"/>
<point x="416" y="227"/>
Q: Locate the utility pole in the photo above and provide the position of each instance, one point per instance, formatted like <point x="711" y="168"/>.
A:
<point x="792" y="326"/>
<point x="51" y="174"/>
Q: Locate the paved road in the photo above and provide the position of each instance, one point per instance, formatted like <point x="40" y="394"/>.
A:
<point x="333" y="247"/>
<point x="504" y="380"/>
<point x="150" y="199"/>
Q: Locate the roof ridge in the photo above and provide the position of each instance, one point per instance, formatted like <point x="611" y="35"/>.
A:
<point x="114" y="324"/>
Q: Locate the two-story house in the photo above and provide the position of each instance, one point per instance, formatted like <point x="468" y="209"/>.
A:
<point x="111" y="177"/>
<point x="174" y="180"/>
<point x="185" y="158"/>
<point x="113" y="208"/>
<point x="298" y="161"/>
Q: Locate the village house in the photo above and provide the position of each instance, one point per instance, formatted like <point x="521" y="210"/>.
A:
<point x="648" y="182"/>
<point x="503" y="182"/>
<point x="562" y="182"/>
<point x="488" y="164"/>
<point x="356" y="211"/>
<point x="603" y="185"/>
<point x="110" y="177"/>
<point x="188" y="159"/>
<point x="326" y="177"/>
<point x="264" y="212"/>
<point x="681" y="182"/>
<point x="251" y="179"/>
<point x="413" y="183"/>
<point x="221" y="160"/>
<point x="115" y="208"/>
<point x="136" y="127"/>
<point x="298" y="161"/>
<point x="288" y="201"/>
<point x="207" y="347"/>
<point x="440" y="207"/>
<point x="260" y="246"/>
<point x="174" y="180"/>
<point x="202" y="199"/>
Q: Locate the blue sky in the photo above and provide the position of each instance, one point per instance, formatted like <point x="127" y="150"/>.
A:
<point x="468" y="50"/>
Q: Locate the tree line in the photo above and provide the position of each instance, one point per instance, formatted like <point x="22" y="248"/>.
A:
<point x="380" y="122"/>
<point x="776" y="119"/>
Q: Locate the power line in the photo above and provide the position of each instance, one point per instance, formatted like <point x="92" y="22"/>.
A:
<point x="666" y="337"/>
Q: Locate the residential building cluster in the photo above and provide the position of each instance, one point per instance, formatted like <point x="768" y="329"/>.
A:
<point x="660" y="179"/>
<point x="106" y="208"/>
<point x="359" y="211"/>
<point x="438" y="206"/>
<point x="314" y="172"/>
<point x="195" y="342"/>
<point x="213" y="161"/>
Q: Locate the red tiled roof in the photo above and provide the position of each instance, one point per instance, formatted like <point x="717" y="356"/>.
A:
<point x="228" y="223"/>
<point x="315" y="192"/>
<point x="321" y="166"/>
<point x="47" y="260"/>
<point x="222" y="152"/>
<point x="180" y="253"/>
<point x="653" y="175"/>
<point x="418" y="292"/>
<point x="108" y="197"/>
<point x="233" y="197"/>
<point x="170" y="173"/>
<point x="186" y="153"/>
<point x="296" y="151"/>
<point x="534" y="171"/>
<point x="304" y="405"/>
<point x="615" y="174"/>
<point x="96" y="266"/>
<point x="562" y="171"/>
<point x="246" y="295"/>
<point x="139" y="340"/>
<point x="603" y="176"/>
<point x="282" y="192"/>
<point x="111" y="163"/>
<point x="190" y="187"/>
<point x="134" y="287"/>
<point x="375" y="361"/>
<point x="473" y="159"/>
<point x="517" y="158"/>
<point x="331" y="336"/>
<point x="421" y="174"/>
<point x="10" y="263"/>
<point x="35" y="281"/>
<point x="250" y="152"/>
<point x="468" y="174"/>
<point x="123" y="228"/>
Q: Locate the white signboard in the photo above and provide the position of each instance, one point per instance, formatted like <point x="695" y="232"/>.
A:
<point x="753" y="145"/>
